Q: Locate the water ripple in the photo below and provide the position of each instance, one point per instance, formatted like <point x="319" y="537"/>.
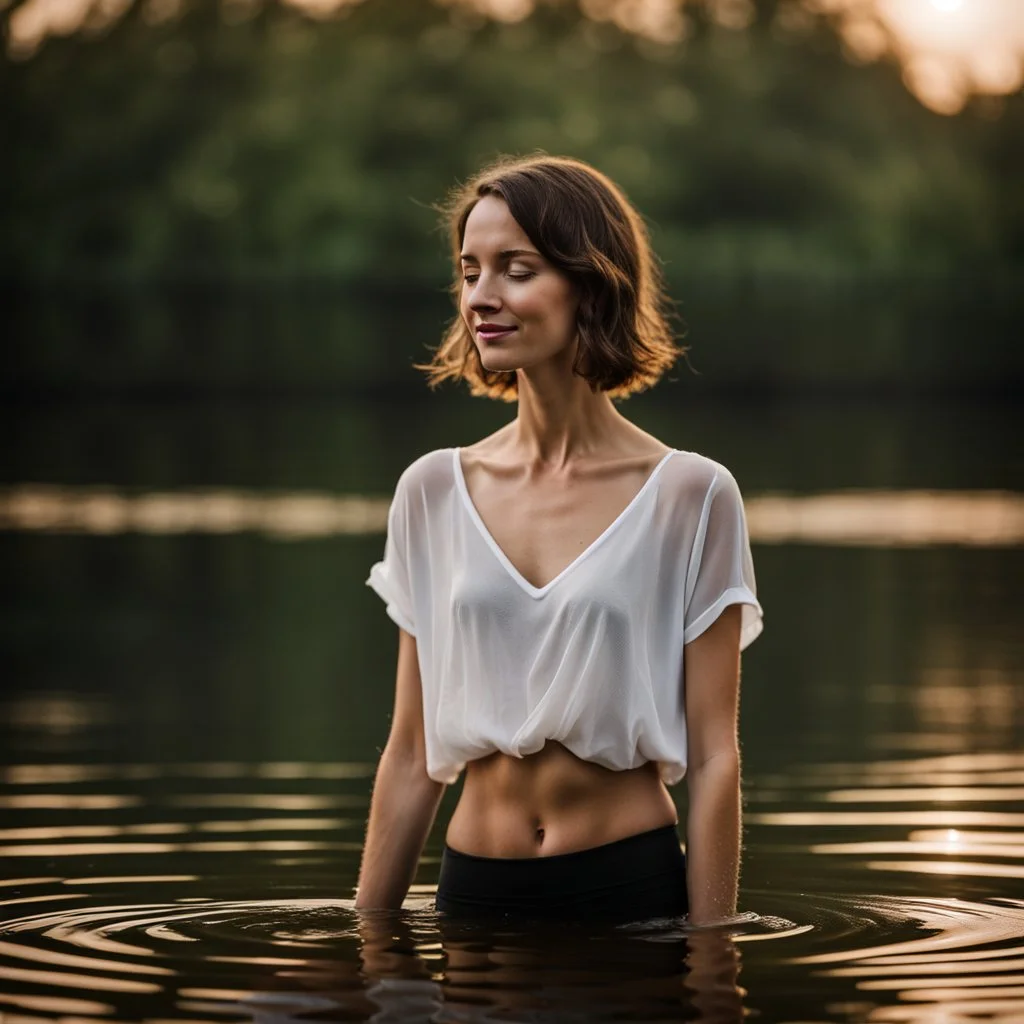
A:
<point x="133" y="907"/>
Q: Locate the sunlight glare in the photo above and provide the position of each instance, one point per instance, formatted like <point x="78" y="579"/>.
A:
<point x="951" y="48"/>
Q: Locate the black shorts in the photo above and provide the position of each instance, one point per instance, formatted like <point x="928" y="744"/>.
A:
<point x="633" y="879"/>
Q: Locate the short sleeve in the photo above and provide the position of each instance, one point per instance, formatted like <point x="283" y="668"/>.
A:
<point x="721" y="567"/>
<point x="390" y="576"/>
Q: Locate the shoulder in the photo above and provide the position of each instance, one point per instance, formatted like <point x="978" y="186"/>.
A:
<point x="692" y="477"/>
<point x="427" y="475"/>
<point x="697" y="490"/>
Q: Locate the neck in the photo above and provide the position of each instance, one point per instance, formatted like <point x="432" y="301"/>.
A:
<point x="558" y="422"/>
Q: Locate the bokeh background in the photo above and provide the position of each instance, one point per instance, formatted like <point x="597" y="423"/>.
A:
<point x="238" y="195"/>
<point x="219" y="261"/>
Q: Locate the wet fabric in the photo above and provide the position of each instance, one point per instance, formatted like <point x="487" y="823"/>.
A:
<point x="639" y="878"/>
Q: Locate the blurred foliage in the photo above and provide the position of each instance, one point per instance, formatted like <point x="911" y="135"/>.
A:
<point x="253" y="142"/>
<point x="751" y="336"/>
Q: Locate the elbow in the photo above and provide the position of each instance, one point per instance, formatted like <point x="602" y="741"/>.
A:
<point x="727" y="759"/>
<point x="410" y="759"/>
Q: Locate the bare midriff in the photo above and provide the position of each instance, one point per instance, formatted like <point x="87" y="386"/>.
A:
<point x="553" y="802"/>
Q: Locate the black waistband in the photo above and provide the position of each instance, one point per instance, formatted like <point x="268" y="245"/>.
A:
<point x="604" y="850"/>
<point x="655" y="849"/>
<point x="641" y="874"/>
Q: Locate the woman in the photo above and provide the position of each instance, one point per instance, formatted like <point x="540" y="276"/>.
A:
<point x="572" y="595"/>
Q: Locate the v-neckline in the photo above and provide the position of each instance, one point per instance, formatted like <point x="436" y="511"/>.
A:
<point x="517" y="576"/>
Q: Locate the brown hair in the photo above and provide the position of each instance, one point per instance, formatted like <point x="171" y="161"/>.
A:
<point x="582" y="224"/>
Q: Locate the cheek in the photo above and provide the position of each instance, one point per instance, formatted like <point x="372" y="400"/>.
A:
<point x="566" y="304"/>
<point x="553" y="303"/>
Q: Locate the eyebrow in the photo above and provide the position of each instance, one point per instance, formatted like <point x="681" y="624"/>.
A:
<point x="504" y="254"/>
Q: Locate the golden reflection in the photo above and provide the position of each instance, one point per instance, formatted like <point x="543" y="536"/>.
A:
<point x="953" y="835"/>
<point x="167" y="934"/>
<point x="69" y="930"/>
<point x="911" y="846"/>
<point x="277" y="825"/>
<point x="263" y="961"/>
<point x="927" y="794"/>
<point x="955" y="925"/>
<point x="848" y="518"/>
<point x="90" y="831"/>
<point x="103" y="511"/>
<point x="227" y="846"/>
<point x="48" y="774"/>
<point x="56" y="1004"/>
<point x="895" y="779"/>
<point x="937" y="963"/>
<point x="67" y="801"/>
<point x="927" y="767"/>
<point x="958" y="842"/>
<point x="215" y="993"/>
<point x="269" y="801"/>
<point x="57" y="714"/>
<point x="83" y="849"/>
<point x="994" y="1011"/>
<point x="88" y="982"/>
<point x="890" y="518"/>
<point x="42" y="899"/>
<point x="939" y="959"/>
<point x="956" y="988"/>
<point x="821" y="818"/>
<point x="266" y="846"/>
<point x="314" y="770"/>
<point x="52" y="774"/>
<point x="934" y="867"/>
<point x="134" y="879"/>
<point x="86" y="963"/>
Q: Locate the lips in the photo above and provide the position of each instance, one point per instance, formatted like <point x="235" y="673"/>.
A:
<point x="492" y="332"/>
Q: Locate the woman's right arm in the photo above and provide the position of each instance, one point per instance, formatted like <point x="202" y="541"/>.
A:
<point x="405" y="799"/>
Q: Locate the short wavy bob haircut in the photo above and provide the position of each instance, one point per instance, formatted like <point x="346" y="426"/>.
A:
<point x="581" y="222"/>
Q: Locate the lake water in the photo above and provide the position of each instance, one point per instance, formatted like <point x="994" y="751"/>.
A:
<point x="197" y="684"/>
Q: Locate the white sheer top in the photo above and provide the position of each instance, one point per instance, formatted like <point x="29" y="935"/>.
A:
<point x="593" y="659"/>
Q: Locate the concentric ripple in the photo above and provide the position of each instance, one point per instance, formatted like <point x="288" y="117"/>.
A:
<point x="223" y="891"/>
<point x="895" y="958"/>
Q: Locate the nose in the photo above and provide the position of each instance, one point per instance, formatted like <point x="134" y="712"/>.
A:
<point x="483" y="295"/>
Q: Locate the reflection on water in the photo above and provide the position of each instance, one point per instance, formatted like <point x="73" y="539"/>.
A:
<point x="101" y="511"/>
<point x="964" y="843"/>
<point x="175" y="928"/>
<point x="858" y="518"/>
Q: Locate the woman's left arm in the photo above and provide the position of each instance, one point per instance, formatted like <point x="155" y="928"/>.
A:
<point x="711" y="666"/>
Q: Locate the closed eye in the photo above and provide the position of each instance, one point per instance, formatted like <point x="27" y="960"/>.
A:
<point x="522" y="276"/>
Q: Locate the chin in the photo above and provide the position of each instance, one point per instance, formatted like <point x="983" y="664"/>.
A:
<point x="500" y="366"/>
<point x="494" y="363"/>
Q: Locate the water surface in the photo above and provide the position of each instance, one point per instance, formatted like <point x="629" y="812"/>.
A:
<point x="194" y="702"/>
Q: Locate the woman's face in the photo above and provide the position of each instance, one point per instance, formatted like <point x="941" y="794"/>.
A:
<point x="520" y="310"/>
